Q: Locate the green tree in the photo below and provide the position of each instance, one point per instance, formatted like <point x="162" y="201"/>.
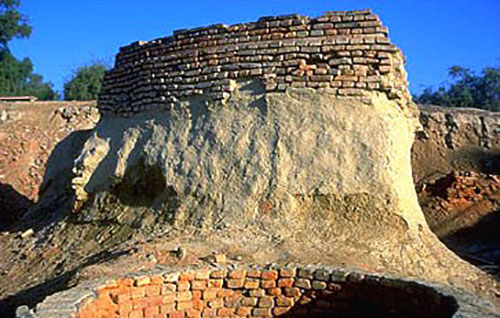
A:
<point x="12" y="23"/>
<point x="16" y="76"/>
<point x="466" y="90"/>
<point x="86" y="82"/>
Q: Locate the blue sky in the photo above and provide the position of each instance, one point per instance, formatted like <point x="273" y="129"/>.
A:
<point x="433" y="34"/>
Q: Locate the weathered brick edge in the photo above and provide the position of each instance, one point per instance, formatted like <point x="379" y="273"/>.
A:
<point x="246" y="291"/>
<point x="345" y="53"/>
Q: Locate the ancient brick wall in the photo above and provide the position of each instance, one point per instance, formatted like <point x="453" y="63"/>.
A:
<point x="258" y="291"/>
<point x="341" y="53"/>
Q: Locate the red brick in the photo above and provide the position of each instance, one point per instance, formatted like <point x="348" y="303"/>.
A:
<point x="218" y="283"/>
<point x="168" y="299"/>
<point x="138" y="292"/>
<point x="193" y="313"/>
<point x="291" y="292"/>
<point x="124" y="308"/>
<point x="141" y="281"/>
<point x="232" y="301"/>
<point x="140" y="303"/>
<point x="249" y="301"/>
<point x="285" y="282"/>
<point x="257" y="292"/>
<point x="198" y="284"/>
<point x="274" y="291"/>
<point x="197" y="294"/>
<point x="243" y="311"/>
<point x="183" y="285"/>
<point x="269" y="275"/>
<point x="254" y="273"/>
<point x="218" y="274"/>
<point x="154" y="301"/>
<point x="187" y="276"/>
<point x="181" y="305"/>
<point x="278" y="311"/>
<point x="165" y="309"/>
<point x="125" y="282"/>
<point x="122" y="298"/>
<point x="209" y="294"/>
<point x="151" y="311"/>
<point x="202" y="274"/>
<point x="268" y="283"/>
<point x="184" y="295"/>
<point x="252" y="284"/>
<point x="237" y="274"/>
<point x="136" y="314"/>
<point x="266" y="302"/>
<point x="225" y="312"/>
<point x="209" y="312"/>
<point x="157" y="280"/>
<point x="225" y="293"/>
<point x="153" y="290"/>
<point x="262" y="312"/>
<point x="198" y="304"/>
<point x="282" y="301"/>
<point x="177" y="314"/>
<point x="168" y="289"/>
<point x="235" y="283"/>
<point x="216" y="303"/>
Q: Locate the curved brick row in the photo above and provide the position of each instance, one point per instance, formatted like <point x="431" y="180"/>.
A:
<point x="342" y="53"/>
<point x="288" y="291"/>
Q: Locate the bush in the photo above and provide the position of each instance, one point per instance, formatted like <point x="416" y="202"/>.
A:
<point x="86" y="83"/>
<point x="466" y="90"/>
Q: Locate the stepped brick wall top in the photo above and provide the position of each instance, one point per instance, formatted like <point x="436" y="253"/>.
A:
<point x="258" y="291"/>
<point x="341" y="53"/>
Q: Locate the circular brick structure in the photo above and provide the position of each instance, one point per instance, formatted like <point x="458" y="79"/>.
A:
<point x="259" y="291"/>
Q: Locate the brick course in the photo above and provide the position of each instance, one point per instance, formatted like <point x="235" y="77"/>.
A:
<point x="341" y="53"/>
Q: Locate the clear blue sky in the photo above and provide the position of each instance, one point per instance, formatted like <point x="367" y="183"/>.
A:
<point x="434" y="34"/>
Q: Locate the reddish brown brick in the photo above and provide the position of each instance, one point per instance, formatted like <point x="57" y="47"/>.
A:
<point x="269" y="275"/>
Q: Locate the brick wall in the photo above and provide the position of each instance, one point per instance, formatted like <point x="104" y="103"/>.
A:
<point x="259" y="291"/>
<point x="341" y="53"/>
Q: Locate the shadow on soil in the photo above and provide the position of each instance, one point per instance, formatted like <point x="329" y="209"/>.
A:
<point x="480" y="161"/>
<point x="480" y="243"/>
<point x="13" y="205"/>
<point x="37" y="294"/>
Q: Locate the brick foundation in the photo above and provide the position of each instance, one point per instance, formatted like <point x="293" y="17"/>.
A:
<point x="253" y="291"/>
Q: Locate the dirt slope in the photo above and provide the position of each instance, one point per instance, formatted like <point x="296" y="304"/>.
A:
<point x="28" y="134"/>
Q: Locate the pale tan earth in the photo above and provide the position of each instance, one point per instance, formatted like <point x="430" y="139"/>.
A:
<point x="372" y="217"/>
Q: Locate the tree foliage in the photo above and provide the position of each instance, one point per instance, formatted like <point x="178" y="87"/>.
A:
<point x="86" y="82"/>
<point x="466" y="90"/>
<point x="16" y="76"/>
<point x="12" y="23"/>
